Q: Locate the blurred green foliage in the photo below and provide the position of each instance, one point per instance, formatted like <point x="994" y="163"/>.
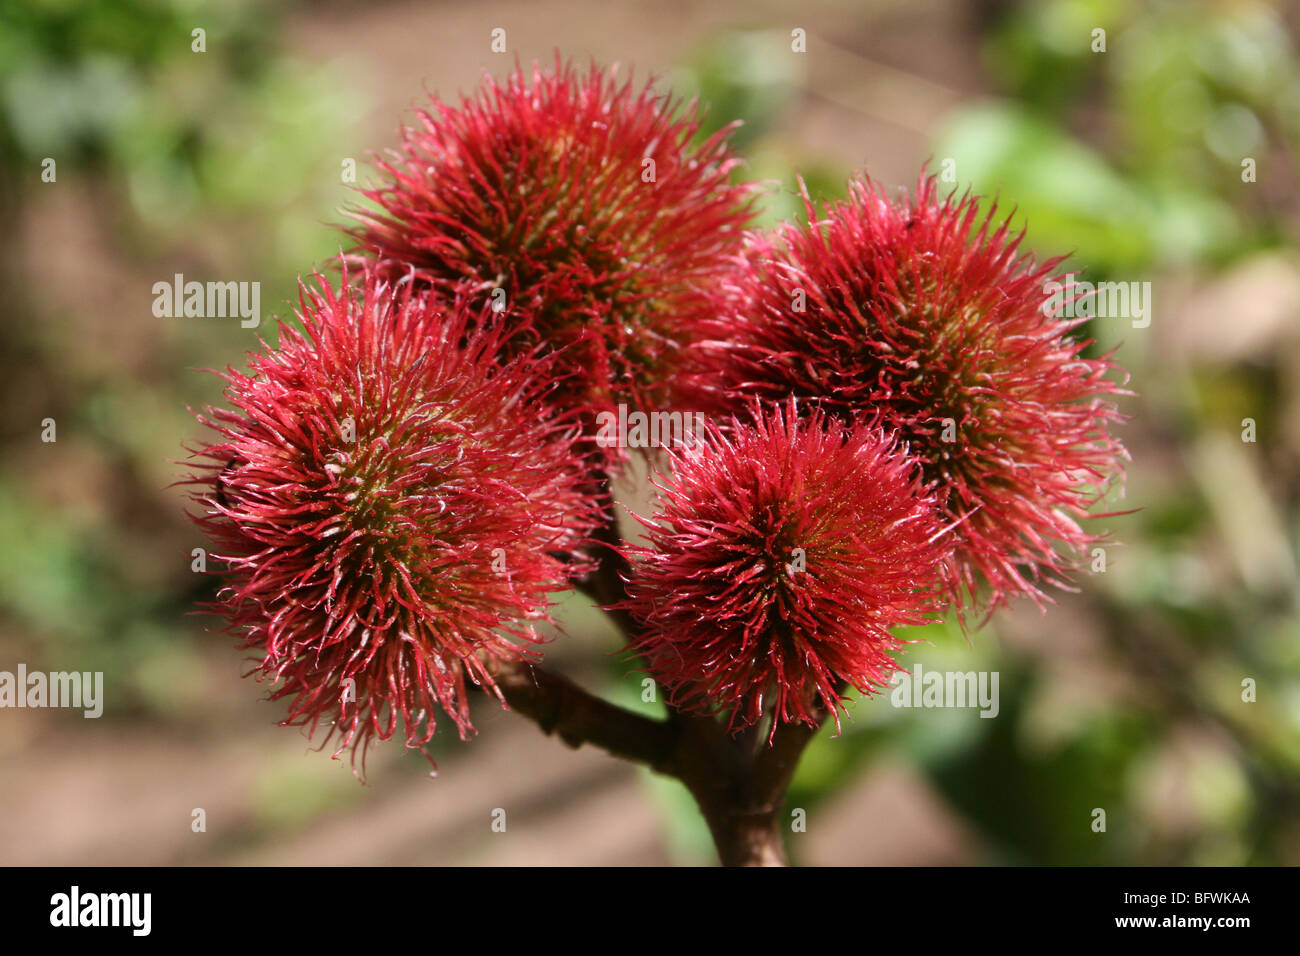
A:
<point x="222" y="160"/>
<point x="744" y="78"/>
<point x="1131" y="158"/>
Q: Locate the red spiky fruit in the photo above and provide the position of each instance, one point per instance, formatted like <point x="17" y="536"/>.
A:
<point x="925" y="312"/>
<point x="582" y="207"/>
<point x="392" y="509"/>
<point x="781" y="553"/>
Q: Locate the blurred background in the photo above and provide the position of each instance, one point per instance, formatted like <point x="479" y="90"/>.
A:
<point x="228" y="164"/>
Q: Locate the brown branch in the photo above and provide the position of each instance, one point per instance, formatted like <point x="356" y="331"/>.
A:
<point x="605" y="585"/>
<point x="740" y="789"/>
<point x="742" y="795"/>
<point x="775" y="764"/>
<point x="561" y="707"/>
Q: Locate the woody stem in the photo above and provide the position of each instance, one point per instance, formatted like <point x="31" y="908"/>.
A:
<point x="740" y="788"/>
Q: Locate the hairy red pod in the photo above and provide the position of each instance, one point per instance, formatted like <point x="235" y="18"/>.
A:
<point x="585" y="209"/>
<point x="924" y="312"/>
<point x="391" y="507"/>
<point x="781" y="554"/>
